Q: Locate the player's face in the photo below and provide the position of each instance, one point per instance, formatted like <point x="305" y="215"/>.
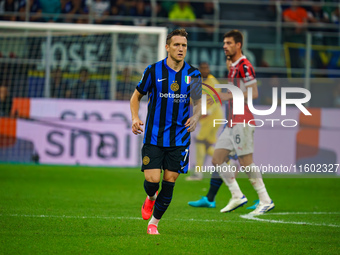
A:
<point x="204" y="69"/>
<point x="230" y="47"/>
<point x="83" y="76"/>
<point x="3" y="93"/>
<point x="177" y="49"/>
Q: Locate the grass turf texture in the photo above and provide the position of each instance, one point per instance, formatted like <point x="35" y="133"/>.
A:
<point x="97" y="211"/>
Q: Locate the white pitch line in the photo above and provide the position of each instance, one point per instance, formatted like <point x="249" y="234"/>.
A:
<point x="316" y="213"/>
<point x="107" y="217"/>
<point x="253" y="217"/>
<point x="246" y="216"/>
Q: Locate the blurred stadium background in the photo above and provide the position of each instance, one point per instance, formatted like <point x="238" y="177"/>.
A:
<point x="67" y="71"/>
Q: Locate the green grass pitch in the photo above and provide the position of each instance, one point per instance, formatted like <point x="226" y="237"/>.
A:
<point x="84" y="210"/>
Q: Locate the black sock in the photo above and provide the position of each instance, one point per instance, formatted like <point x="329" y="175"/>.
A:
<point x="151" y="187"/>
<point x="215" y="184"/>
<point x="163" y="199"/>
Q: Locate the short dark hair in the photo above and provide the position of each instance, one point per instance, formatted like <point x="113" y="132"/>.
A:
<point x="236" y="35"/>
<point x="83" y="69"/>
<point x="180" y="32"/>
<point x="204" y="63"/>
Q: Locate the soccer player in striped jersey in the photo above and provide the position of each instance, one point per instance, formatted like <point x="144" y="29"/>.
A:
<point x="237" y="137"/>
<point x="169" y="83"/>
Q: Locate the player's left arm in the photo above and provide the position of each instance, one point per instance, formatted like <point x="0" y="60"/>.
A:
<point x="255" y="92"/>
<point x="249" y="80"/>
<point x="191" y="123"/>
<point x="225" y="96"/>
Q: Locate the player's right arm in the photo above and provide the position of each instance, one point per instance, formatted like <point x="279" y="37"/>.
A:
<point x="142" y="89"/>
<point x="134" y="106"/>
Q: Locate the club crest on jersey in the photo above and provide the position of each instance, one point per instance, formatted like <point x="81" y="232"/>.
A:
<point x="146" y="160"/>
<point x="174" y="86"/>
<point x="187" y="79"/>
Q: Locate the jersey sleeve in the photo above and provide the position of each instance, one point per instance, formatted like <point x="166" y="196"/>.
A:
<point x="247" y="74"/>
<point x="144" y="85"/>
<point x="196" y="86"/>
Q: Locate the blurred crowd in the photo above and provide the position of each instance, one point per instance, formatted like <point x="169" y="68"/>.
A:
<point x="317" y="15"/>
<point x="78" y="11"/>
<point x="201" y="17"/>
<point x="182" y="13"/>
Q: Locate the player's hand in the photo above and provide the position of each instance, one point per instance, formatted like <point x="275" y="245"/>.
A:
<point x="225" y="96"/>
<point x="136" y="126"/>
<point x="191" y="124"/>
<point x="210" y="100"/>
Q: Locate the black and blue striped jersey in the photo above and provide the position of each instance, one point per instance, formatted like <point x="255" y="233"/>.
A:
<point x="169" y="95"/>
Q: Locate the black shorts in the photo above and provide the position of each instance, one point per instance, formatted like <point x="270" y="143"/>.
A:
<point x="175" y="159"/>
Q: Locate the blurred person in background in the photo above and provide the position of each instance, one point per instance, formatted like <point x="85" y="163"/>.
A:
<point x="100" y="10"/>
<point x="336" y="94"/>
<point x="70" y="8"/>
<point x="317" y="16"/>
<point x="297" y="16"/>
<point x="51" y="10"/>
<point x="117" y="8"/>
<point x="161" y="11"/>
<point x="206" y="14"/>
<point x="9" y="6"/>
<point x="332" y="12"/>
<point x="125" y="85"/>
<point x="267" y="90"/>
<point x="215" y="181"/>
<point x="84" y="87"/>
<point x="167" y="5"/>
<point x="5" y="100"/>
<point x="182" y="15"/>
<point x="84" y="12"/>
<point x="236" y="138"/>
<point x="35" y="10"/>
<point x="336" y="16"/>
<point x="207" y="134"/>
<point x="141" y="13"/>
<point x="59" y="86"/>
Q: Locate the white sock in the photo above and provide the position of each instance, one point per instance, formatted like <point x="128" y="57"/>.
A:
<point x="229" y="179"/>
<point x="153" y="221"/>
<point x="153" y="198"/>
<point x="259" y="185"/>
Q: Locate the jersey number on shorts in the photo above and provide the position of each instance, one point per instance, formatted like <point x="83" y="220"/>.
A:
<point x="237" y="139"/>
<point x="186" y="154"/>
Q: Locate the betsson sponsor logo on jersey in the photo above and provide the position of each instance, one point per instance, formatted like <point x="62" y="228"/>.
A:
<point x="178" y="98"/>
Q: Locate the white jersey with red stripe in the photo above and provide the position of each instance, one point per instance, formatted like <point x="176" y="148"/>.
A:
<point x="241" y="74"/>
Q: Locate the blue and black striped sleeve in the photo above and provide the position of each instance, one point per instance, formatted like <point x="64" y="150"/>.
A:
<point x="196" y="86"/>
<point x="145" y="83"/>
